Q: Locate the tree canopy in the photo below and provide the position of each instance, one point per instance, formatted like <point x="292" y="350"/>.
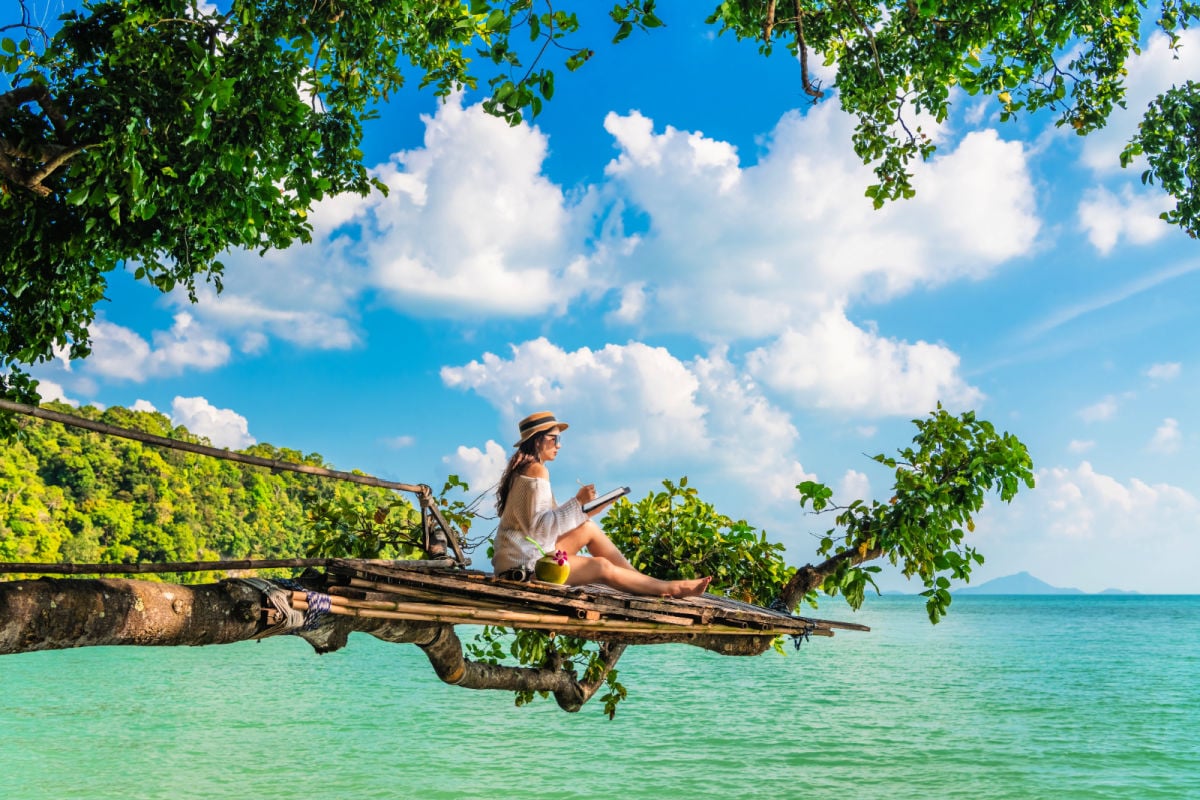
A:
<point x="157" y="134"/>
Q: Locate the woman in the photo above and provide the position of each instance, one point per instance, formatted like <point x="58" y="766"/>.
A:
<point x="527" y="509"/>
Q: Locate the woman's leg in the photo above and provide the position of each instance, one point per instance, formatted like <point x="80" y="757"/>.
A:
<point x="590" y="535"/>
<point x="601" y="570"/>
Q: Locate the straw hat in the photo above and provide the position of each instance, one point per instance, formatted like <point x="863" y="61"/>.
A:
<point x="536" y="423"/>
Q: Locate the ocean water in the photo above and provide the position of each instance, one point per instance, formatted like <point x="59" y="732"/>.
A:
<point x="1008" y="697"/>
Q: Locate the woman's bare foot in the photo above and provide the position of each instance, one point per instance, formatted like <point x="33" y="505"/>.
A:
<point x="692" y="588"/>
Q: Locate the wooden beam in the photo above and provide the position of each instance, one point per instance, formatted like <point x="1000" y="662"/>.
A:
<point x="32" y="568"/>
<point x="205" y="450"/>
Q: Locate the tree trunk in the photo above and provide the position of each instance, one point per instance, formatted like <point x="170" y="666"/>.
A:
<point x="54" y="614"/>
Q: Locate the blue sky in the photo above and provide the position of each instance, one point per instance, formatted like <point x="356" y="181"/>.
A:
<point x="678" y="259"/>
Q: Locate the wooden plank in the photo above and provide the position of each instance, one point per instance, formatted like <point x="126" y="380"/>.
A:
<point x="33" y="568"/>
<point x="507" y="591"/>
<point x="408" y="593"/>
<point x="464" y="614"/>
<point x="477" y="586"/>
<point x="564" y="626"/>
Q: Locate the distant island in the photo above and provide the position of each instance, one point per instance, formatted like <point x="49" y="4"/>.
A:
<point x="1024" y="583"/>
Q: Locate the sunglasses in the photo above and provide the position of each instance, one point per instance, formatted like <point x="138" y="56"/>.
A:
<point x="554" y="437"/>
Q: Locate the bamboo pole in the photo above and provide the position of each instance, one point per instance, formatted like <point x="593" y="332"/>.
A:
<point x="465" y="612"/>
<point x="192" y="566"/>
<point x="566" y="625"/>
<point x="412" y="593"/>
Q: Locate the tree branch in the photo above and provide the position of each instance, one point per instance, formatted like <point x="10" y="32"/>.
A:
<point x="51" y="156"/>
<point x="810" y="88"/>
<point x="55" y="614"/>
<point x="770" y="23"/>
<point x="866" y="29"/>
<point x="810" y="578"/>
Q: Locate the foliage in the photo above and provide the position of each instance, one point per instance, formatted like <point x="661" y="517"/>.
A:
<point x="518" y="88"/>
<point x="344" y="529"/>
<point x="898" y="59"/>
<point x="458" y="512"/>
<point x="72" y="495"/>
<point x="160" y="133"/>
<point x="1169" y="137"/>
<point x="673" y="534"/>
<point x="389" y="527"/>
<point x="941" y="481"/>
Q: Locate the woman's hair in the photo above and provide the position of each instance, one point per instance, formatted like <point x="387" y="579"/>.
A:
<point x="527" y="453"/>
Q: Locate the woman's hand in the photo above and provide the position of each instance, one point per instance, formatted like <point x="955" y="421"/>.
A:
<point x="586" y="493"/>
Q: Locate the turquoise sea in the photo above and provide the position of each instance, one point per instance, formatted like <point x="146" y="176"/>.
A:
<point x="1009" y="697"/>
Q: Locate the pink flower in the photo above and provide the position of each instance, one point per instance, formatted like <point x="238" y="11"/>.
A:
<point x="560" y="557"/>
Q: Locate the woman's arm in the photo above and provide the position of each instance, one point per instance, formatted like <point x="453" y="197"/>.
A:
<point x="549" y="520"/>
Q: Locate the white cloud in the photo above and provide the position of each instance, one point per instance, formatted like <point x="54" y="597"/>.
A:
<point x="143" y="405"/>
<point x="471" y="225"/>
<point x="737" y="250"/>
<point x="471" y="228"/>
<point x="756" y="439"/>
<point x="1167" y="371"/>
<point x="399" y="442"/>
<point x="481" y="469"/>
<point x="1083" y="503"/>
<point x="118" y="352"/>
<point x="1134" y="216"/>
<point x="1167" y="437"/>
<point x="1080" y="445"/>
<point x="703" y="410"/>
<point x="836" y="365"/>
<point x="222" y="426"/>
<point x="603" y="383"/>
<point x="712" y="263"/>
<point x="51" y="391"/>
<point x="275" y="297"/>
<point x="1094" y="531"/>
<point x="62" y="354"/>
<point x="853" y="486"/>
<point x="1102" y="410"/>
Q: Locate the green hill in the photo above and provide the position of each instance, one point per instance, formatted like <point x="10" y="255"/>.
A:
<point x="70" y="495"/>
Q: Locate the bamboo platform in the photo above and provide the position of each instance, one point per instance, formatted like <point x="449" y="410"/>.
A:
<point x="471" y="597"/>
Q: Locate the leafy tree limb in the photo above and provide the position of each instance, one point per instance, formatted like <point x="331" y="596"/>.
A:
<point x="941" y="482"/>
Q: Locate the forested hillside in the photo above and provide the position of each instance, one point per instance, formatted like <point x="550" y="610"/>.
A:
<point x="77" y="496"/>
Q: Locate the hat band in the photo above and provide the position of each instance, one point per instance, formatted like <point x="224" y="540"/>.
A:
<point x="537" y="423"/>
